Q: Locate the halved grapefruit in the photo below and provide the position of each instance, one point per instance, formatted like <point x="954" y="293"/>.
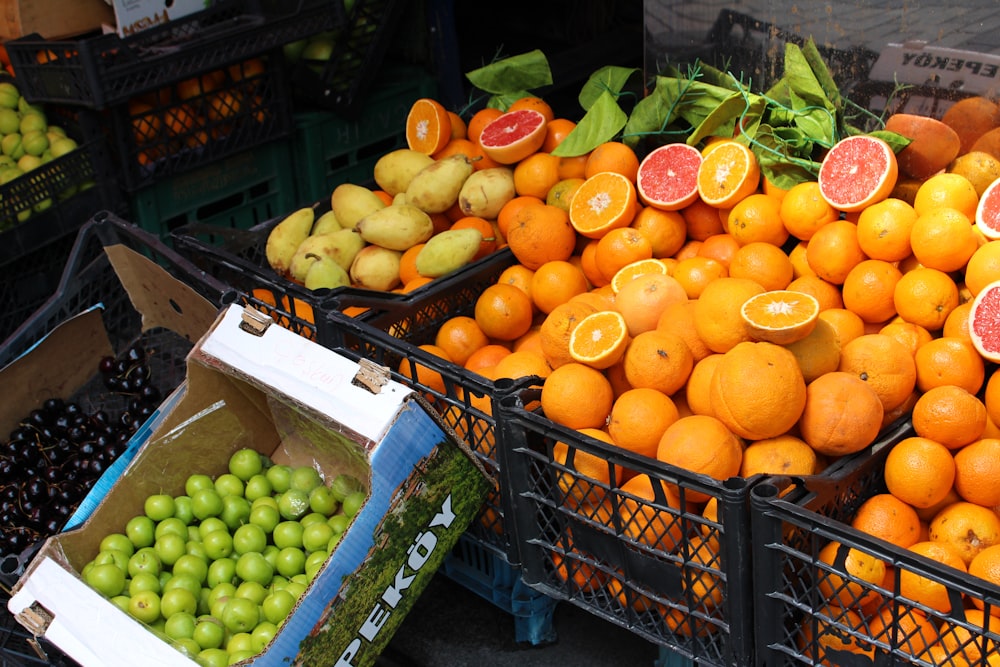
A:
<point x="857" y="172"/>
<point x="988" y="211"/>
<point x="513" y="136"/>
<point x="984" y="322"/>
<point x="668" y="177"/>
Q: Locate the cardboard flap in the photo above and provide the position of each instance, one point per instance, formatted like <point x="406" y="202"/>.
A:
<point x="163" y="300"/>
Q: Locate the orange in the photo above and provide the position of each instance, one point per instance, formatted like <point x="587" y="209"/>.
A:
<point x="925" y="296"/>
<point x="717" y="314"/>
<point x="920" y="589"/>
<point x="459" y="337"/>
<point x="933" y="144"/>
<point x="803" y="210"/>
<point x="561" y="194"/>
<point x="613" y="156"/>
<point x="522" y="363"/>
<point x="536" y="174"/>
<point x="580" y="485"/>
<point x="620" y="247"/>
<point x="643" y="517"/>
<point x="825" y="292"/>
<point x="976" y="472"/>
<point x="556" y="282"/>
<point x="971" y="117"/>
<point x="825" y="642"/>
<point x="780" y="455"/>
<point x="720" y="247"/>
<point x="577" y="396"/>
<point x="868" y="290"/>
<point x="757" y="217"/>
<point x="947" y="190"/>
<point x="950" y="415"/>
<point x="603" y="202"/>
<point x="428" y="126"/>
<point x="834" y="250"/>
<point x="484" y="227"/>
<point x="666" y="230"/>
<point x="780" y="316"/>
<point x="991" y="397"/>
<point x="963" y="646"/>
<point x="884" y="229"/>
<point x="408" y="263"/>
<point x="486" y="357"/>
<point x="728" y="174"/>
<point x="983" y="267"/>
<point x="888" y="518"/>
<point x="517" y="275"/>
<point x="535" y="103"/>
<point x="556" y="130"/>
<point x="702" y="220"/>
<point x="909" y="334"/>
<point x="694" y="273"/>
<point x="842" y="414"/>
<point x="818" y="353"/>
<point x="509" y="212"/>
<point x="986" y="566"/>
<point x="637" y="268"/>
<point x="697" y="391"/>
<point x="479" y="120"/>
<point x="678" y="318"/>
<point x="658" y="360"/>
<point x="847" y="592"/>
<point x="540" y="233"/>
<point x="503" y="312"/>
<point x="919" y="471"/>
<point x="422" y="374"/>
<point x="757" y="390"/>
<point x="639" y="416"/>
<point x="846" y="323"/>
<point x="953" y="361"/>
<point x="943" y="238"/>
<point x="599" y="340"/>
<point x="967" y="527"/>
<point x="906" y="627"/>
<point x="764" y="263"/>
<point x="642" y="300"/>
<point x="701" y="444"/>
<point x="884" y="364"/>
<point x="557" y="327"/>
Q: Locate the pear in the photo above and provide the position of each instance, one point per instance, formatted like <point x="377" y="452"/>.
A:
<point x="486" y="191"/>
<point x="376" y="268"/>
<point x="341" y="246"/>
<point x="351" y="202"/>
<point x="435" y="188"/>
<point x="448" y="251"/>
<point x="325" y="273"/>
<point x="394" y="170"/>
<point x="396" y="227"/>
<point x="326" y="223"/>
<point x="285" y="238"/>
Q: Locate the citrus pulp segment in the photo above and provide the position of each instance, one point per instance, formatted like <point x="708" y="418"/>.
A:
<point x="428" y="126"/>
<point x="513" y="136"/>
<point x="600" y="339"/>
<point x="858" y="171"/>
<point x="636" y="269"/>
<point x="668" y="177"/>
<point x="984" y="322"/>
<point x="605" y="201"/>
<point x="728" y="173"/>
<point x="988" y="211"/>
<point x="780" y="316"/>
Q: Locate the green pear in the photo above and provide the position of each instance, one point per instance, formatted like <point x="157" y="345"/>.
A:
<point x="351" y="202"/>
<point x="435" y="188"/>
<point x="394" y="170"/>
<point x="326" y="223"/>
<point x="486" y="191"/>
<point x="448" y="251"/>
<point x="396" y="227"/>
<point x="325" y="273"/>
<point x="341" y="246"/>
<point x="376" y="268"/>
<point x="285" y="238"/>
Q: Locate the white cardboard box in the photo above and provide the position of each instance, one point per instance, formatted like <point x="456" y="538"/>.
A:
<point x="132" y="16"/>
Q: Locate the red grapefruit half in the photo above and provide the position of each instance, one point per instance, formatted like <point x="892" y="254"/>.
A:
<point x="988" y="211"/>
<point x="513" y="136"/>
<point x="984" y="321"/>
<point x="668" y="177"/>
<point x="857" y="172"/>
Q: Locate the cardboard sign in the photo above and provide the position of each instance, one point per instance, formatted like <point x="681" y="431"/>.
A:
<point x="132" y="16"/>
<point x="954" y="69"/>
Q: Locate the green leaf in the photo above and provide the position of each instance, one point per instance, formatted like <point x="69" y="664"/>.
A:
<point x="526" y="71"/>
<point x="778" y="156"/>
<point x="822" y="73"/>
<point x="652" y="116"/>
<point x="610" y="78"/>
<point x="602" y="122"/>
<point x="503" y="101"/>
<point x="895" y="140"/>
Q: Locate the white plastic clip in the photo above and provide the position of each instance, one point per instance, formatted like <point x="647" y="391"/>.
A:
<point x="254" y="321"/>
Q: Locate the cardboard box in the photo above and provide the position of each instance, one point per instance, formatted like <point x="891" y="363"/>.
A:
<point x="52" y="19"/>
<point x="132" y="16"/>
<point x="299" y="403"/>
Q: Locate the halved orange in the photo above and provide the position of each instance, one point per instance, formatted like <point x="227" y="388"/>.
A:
<point x="428" y="126"/>
<point x="728" y="173"/>
<point x="780" y="316"/>
<point x="605" y="201"/>
<point x="600" y="339"/>
<point x="636" y="269"/>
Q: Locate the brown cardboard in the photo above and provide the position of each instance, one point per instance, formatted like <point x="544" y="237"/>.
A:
<point x="53" y="19"/>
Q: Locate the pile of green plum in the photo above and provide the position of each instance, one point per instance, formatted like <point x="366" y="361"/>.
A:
<point x="217" y="570"/>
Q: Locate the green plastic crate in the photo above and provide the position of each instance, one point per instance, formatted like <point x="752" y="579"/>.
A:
<point x="329" y="150"/>
<point x="236" y="192"/>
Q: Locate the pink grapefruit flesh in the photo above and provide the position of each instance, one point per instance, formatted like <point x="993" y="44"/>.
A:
<point x="857" y="172"/>
<point x="668" y="177"/>
<point x="988" y="211"/>
<point x="984" y="322"/>
<point x="513" y="135"/>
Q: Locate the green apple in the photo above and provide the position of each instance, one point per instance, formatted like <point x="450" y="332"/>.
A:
<point x="353" y="502"/>
<point x="252" y="566"/>
<point x="220" y="571"/>
<point x="196" y="482"/>
<point x="192" y="566"/>
<point x="179" y="625"/>
<point x="339" y="522"/>
<point x="183" y="509"/>
<point x="305" y="478"/>
<point x="140" y="531"/>
<point x="248" y="538"/>
<point x="144" y="559"/>
<point x="144" y="581"/>
<point x="245" y="463"/>
<point x="287" y="534"/>
<point x="206" y="503"/>
<point x="316" y="536"/>
<point x="240" y="641"/>
<point x="293" y="503"/>
<point x="209" y="632"/>
<point x="343" y="484"/>
<point x="235" y="511"/>
<point x="280" y="475"/>
<point x="170" y="547"/>
<point x="251" y="590"/>
<point x="144" y="606"/>
<point x="212" y="524"/>
<point x="277" y="606"/>
<point x="10" y="122"/>
<point x="314" y="561"/>
<point x="322" y="501"/>
<point x="178" y="600"/>
<point x="229" y="484"/>
<point x="258" y="486"/>
<point x="240" y="614"/>
<point x="218" y="544"/>
<point x="171" y="525"/>
<point x="263" y="634"/>
<point x="291" y="561"/>
<point x="265" y="516"/>
<point x="159" y="506"/>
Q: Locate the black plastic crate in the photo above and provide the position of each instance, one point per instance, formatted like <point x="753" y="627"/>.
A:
<point x="799" y="625"/>
<point x="342" y="82"/>
<point x="578" y="538"/>
<point x="104" y="70"/>
<point x="197" y="121"/>
<point x="90" y="280"/>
